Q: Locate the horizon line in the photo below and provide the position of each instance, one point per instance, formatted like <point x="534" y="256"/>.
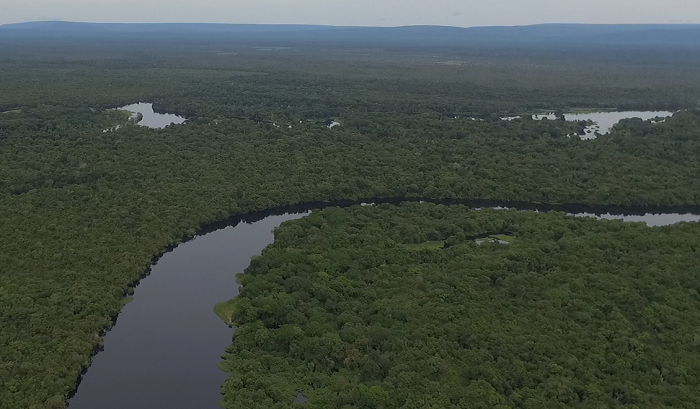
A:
<point x="346" y="26"/>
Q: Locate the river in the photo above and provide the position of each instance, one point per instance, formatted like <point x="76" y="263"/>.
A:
<point x="165" y="349"/>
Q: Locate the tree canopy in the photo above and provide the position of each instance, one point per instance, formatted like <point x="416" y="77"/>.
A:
<point x="399" y="307"/>
<point x="84" y="212"/>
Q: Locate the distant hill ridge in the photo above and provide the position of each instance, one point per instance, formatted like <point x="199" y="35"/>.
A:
<point x="660" y="34"/>
<point x="68" y="26"/>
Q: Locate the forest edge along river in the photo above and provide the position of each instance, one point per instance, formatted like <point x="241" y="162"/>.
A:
<point x="166" y="347"/>
<point x="168" y="344"/>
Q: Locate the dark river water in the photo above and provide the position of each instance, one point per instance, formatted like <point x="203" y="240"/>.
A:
<point x="164" y="351"/>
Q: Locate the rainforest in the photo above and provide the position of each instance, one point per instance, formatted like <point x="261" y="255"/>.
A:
<point x="386" y="306"/>
<point x="398" y="307"/>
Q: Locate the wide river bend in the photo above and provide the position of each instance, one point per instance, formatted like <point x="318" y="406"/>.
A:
<point x="165" y="350"/>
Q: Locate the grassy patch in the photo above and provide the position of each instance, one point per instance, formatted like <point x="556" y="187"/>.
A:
<point x="496" y="239"/>
<point x="225" y="310"/>
<point x="503" y="237"/>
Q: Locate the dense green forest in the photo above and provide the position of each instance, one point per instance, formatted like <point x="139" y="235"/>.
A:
<point x="399" y="307"/>
<point x="84" y="212"/>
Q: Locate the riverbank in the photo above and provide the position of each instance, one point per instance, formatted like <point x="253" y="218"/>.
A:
<point x="153" y="317"/>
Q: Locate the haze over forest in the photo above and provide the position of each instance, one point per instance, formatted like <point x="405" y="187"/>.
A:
<point x="358" y="13"/>
<point x="674" y="35"/>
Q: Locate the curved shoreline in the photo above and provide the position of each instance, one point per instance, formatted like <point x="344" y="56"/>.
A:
<point x="473" y="203"/>
<point x="259" y="215"/>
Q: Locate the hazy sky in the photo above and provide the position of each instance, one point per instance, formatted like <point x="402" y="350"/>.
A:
<point x="356" y="12"/>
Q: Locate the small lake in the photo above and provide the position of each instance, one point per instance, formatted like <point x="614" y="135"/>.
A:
<point x="165" y="349"/>
<point x="604" y="121"/>
<point x="150" y="118"/>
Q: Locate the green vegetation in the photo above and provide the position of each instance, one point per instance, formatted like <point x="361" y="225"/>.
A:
<point x="126" y="300"/>
<point x="503" y="237"/>
<point x="575" y="313"/>
<point x="225" y="310"/>
<point x="428" y="245"/>
<point x="84" y="212"/>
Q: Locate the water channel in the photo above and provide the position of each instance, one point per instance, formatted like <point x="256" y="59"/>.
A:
<point x="165" y="349"/>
